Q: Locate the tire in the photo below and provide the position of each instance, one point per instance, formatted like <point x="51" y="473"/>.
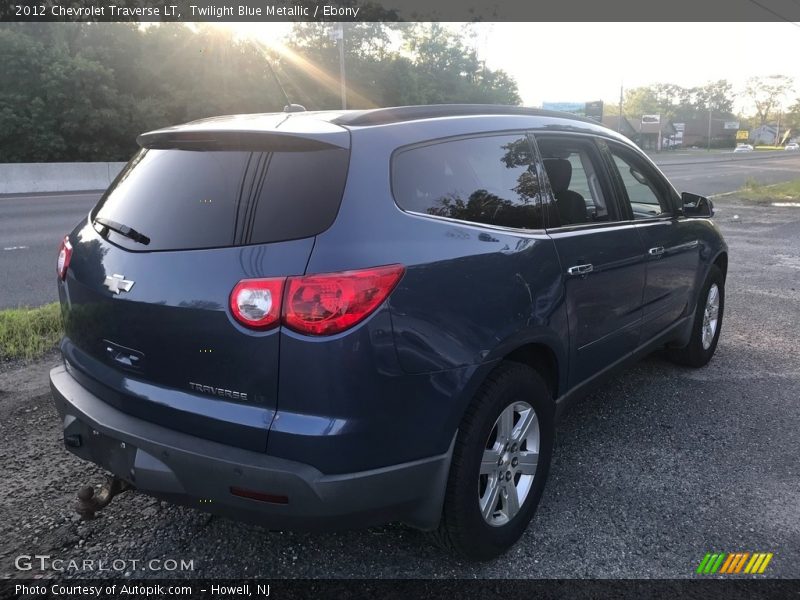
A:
<point x="698" y="352"/>
<point x="463" y="529"/>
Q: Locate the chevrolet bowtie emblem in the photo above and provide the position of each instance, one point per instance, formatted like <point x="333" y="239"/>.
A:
<point x="118" y="283"/>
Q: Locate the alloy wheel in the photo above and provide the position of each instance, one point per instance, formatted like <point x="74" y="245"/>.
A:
<point x="509" y="463"/>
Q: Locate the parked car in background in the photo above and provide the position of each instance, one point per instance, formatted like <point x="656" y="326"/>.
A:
<point x="792" y="146"/>
<point x="340" y="319"/>
<point x="743" y="148"/>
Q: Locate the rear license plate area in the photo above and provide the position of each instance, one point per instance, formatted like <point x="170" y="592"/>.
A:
<point x="112" y="454"/>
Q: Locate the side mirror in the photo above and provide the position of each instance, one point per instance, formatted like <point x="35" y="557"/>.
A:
<point x="696" y="206"/>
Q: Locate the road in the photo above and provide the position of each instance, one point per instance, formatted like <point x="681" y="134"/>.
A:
<point x="726" y="174"/>
<point x="654" y="469"/>
<point x="31" y="227"/>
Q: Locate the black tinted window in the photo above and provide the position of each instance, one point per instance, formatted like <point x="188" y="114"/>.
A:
<point x="182" y="199"/>
<point x="571" y="164"/>
<point x="646" y="199"/>
<point x="484" y="180"/>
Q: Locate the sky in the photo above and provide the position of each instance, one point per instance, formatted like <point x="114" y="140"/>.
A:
<point x="589" y="61"/>
<point x="579" y="62"/>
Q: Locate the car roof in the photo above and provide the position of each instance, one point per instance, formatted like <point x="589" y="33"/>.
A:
<point x="329" y="126"/>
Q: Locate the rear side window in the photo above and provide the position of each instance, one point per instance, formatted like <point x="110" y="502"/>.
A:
<point x="487" y="180"/>
<point x="185" y="199"/>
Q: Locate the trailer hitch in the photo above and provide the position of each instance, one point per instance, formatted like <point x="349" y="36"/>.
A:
<point x="89" y="502"/>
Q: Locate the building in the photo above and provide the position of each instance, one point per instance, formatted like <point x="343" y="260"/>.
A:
<point x="620" y="124"/>
<point x="650" y="132"/>
<point x="764" y="134"/>
<point x="695" y="132"/>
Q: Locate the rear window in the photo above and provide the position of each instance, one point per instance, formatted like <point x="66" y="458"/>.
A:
<point x="487" y="180"/>
<point x="185" y="199"/>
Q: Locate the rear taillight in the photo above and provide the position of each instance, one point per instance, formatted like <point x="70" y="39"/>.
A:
<point x="257" y="302"/>
<point x="330" y="303"/>
<point x="314" y="304"/>
<point x="64" y="256"/>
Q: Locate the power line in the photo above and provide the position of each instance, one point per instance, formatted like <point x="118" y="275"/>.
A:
<point x="769" y="10"/>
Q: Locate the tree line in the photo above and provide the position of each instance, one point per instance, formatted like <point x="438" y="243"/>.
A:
<point x="771" y="99"/>
<point x="84" y="91"/>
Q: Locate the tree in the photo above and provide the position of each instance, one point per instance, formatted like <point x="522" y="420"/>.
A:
<point x="767" y="94"/>
<point x="84" y="91"/>
<point x="716" y="96"/>
<point x="433" y="65"/>
<point x="792" y="118"/>
<point x="677" y="103"/>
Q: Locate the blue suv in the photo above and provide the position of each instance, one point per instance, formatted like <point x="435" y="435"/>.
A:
<point x="339" y="319"/>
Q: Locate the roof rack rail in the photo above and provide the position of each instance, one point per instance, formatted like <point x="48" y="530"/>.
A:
<point x="382" y="116"/>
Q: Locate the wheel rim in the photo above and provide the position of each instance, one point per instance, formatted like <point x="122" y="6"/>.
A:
<point x="710" y="316"/>
<point x="509" y="464"/>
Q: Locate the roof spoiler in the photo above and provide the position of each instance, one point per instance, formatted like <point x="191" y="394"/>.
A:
<point x="254" y="141"/>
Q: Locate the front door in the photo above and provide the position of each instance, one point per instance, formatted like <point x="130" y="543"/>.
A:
<point x="672" y="252"/>
<point x="602" y="257"/>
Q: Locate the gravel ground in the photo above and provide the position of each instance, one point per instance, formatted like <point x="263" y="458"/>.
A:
<point x="653" y="470"/>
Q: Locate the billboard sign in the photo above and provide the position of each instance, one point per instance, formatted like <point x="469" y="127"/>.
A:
<point x="743" y="134"/>
<point x="731" y="125"/>
<point x="594" y="110"/>
<point x="651" y="119"/>
<point x="576" y="108"/>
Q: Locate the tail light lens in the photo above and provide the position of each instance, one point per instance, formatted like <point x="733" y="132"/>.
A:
<point x="256" y="303"/>
<point x="315" y="304"/>
<point x="330" y="303"/>
<point x="64" y="256"/>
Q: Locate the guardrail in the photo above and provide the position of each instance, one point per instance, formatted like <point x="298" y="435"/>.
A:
<point x="20" y="178"/>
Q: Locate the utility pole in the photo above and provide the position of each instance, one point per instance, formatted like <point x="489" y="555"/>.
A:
<point x="709" y="129"/>
<point x="342" y="79"/>
<point x="778" y="128"/>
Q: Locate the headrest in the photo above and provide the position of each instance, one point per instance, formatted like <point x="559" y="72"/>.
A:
<point x="559" y="171"/>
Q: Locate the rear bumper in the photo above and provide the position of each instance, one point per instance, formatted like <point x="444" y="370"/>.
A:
<point x="200" y="473"/>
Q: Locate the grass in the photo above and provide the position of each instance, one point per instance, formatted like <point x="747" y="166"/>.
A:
<point x="29" y="332"/>
<point x="788" y="191"/>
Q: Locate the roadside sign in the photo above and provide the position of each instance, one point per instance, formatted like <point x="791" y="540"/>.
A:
<point x="743" y="134"/>
<point x="731" y="125"/>
<point x="594" y="110"/>
<point x="578" y="108"/>
<point x="651" y="119"/>
<point x="679" y="127"/>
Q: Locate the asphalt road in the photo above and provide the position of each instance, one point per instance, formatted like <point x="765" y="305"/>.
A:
<point x="652" y="470"/>
<point x="31" y="227"/>
<point x="728" y="173"/>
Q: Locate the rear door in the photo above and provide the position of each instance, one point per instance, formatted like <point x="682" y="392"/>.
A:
<point x="601" y="255"/>
<point x="672" y="251"/>
<point x="148" y="327"/>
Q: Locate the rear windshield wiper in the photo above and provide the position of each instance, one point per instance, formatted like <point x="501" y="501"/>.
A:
<point x="124" y="230"/>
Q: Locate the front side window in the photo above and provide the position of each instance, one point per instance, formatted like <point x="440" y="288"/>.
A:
<point x="647" y="199"/>
<point x="487" y="180"/>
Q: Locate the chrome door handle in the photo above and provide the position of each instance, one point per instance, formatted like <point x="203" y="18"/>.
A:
<point x="657" y="251"/>
<point x="580" y="270"/>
